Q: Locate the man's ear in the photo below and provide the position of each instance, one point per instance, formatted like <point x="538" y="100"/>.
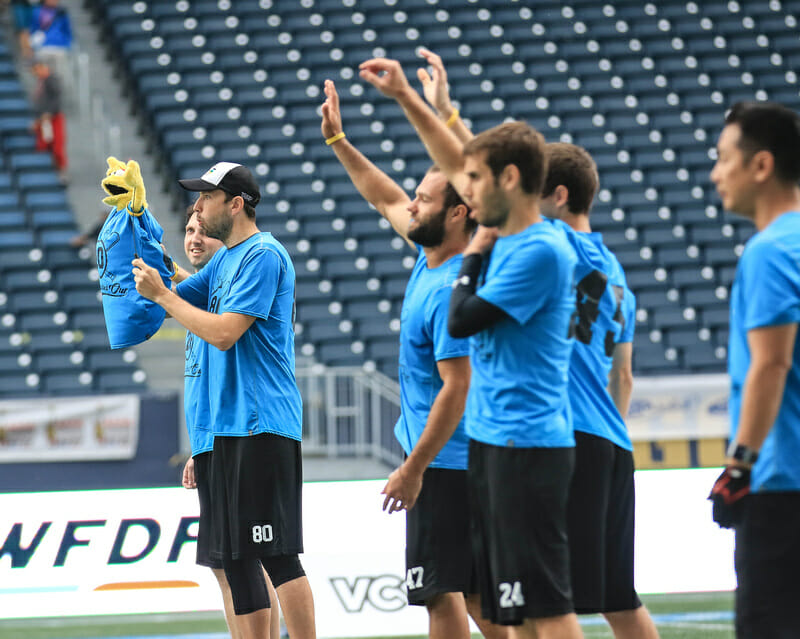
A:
<point x="237" y="204"/>
<point x="763" y="165"/>
<point x="561" y="194"/>
<point x="460" y="210"/>
<point x="510" y="177"/>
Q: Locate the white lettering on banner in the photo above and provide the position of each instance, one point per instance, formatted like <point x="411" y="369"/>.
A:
<point x="384" y="592"/>
<point x="110" y="552"/>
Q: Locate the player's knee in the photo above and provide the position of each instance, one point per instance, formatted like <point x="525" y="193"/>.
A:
<point x="283" y="568"/>
<point x="445" y="602"/>
<point x="247" y="584"/>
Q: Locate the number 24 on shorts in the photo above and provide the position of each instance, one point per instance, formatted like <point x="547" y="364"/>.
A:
<point x="511" y="595"/>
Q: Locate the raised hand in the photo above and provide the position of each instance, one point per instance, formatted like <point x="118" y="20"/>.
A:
<point x="434" y="85"/>
<point x="331" y="115"/>
<point x="385" y="75"/>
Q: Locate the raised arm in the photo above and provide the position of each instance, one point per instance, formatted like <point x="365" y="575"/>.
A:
<point x="374" y="185"/>
<point x="437" y="92"/>
<point x="444" y="148"/>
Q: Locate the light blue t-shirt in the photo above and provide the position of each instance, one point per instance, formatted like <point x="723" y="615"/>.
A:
<point x="424" y="341"/>
<point x="766" y="292"/>
<point x="252" y="387"/>
<point x="518" y="392"/>
<point x="606" y="316"/>
<point x="196" y="407"/>
<point x="130" y="318"/>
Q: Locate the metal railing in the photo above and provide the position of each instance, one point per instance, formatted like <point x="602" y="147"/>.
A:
<point x="348" y="412"/>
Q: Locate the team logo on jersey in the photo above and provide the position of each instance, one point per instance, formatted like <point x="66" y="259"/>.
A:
<point x="104" y="245"/>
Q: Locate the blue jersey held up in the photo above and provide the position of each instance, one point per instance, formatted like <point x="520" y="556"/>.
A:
<point x="130" y="318"/>
<point x="424" y="341"/>
<point x="766" y="292"/>
<point x="606" y="316"/>
<point x="196" y="407"/>
<point x="518" y="392"/>
<point x="252" y="386"/>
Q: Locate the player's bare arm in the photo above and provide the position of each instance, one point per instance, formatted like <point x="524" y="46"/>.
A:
<point x="405" y="483"/>
<point x="222" y="331"/>
<point x="437" y="92"/>
<point x="444" y="148"/>
<point x="620" y="378"/>
<point x="771" y="350"/>
<point x="188" y="479"/>
<point x="375" y="186"/>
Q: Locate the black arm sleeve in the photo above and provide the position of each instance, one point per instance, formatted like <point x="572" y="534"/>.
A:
<point x="469" y="313"/>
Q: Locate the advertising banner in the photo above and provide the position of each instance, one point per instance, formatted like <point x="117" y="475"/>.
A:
<point x="128" y="551"/>
<point x="682" y="407"/>
<point x="49" y="429"/>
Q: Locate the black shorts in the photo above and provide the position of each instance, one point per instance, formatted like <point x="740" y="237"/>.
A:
<point x="518" y="499"/>
<point x="256" y="497"/>
<point x="438" y="552"/>
<point x="767" y="560"/>
<point x="202" y="470"/>
<point x="600" y="517"/>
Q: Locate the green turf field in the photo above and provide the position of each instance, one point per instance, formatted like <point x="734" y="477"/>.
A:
<point x="685" y="616"/>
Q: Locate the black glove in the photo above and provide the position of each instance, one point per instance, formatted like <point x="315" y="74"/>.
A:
<point x="728" y="494"/>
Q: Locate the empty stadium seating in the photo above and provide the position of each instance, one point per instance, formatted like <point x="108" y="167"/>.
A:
<point x="52" y="335"/>
<point x="642" y="85"/>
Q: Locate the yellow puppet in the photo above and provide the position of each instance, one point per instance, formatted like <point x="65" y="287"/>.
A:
<point x="130" y="231"/>
<point x="125" y="187"/>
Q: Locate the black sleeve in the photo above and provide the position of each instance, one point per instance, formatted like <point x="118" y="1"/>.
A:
<point x="469" y="313"/>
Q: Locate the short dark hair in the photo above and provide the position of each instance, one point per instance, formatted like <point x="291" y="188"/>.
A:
<point x="768" y="126"/>
<point x="452" y="198"/>
<point x="571" y="166"/>
<point x="249" y="209"/>
<point x="188" y="214"/>
<point x="515" y="143"/>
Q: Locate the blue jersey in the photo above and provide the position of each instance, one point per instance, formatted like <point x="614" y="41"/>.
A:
<point x="130" y="318"/>
<point x="252" y="387"/>
<point x="606" y="310"/>
<point x="424" y="341"/>
<point x="518" y="391"/>
<point x="196" y="408"/>
<point x="766" y="292"/>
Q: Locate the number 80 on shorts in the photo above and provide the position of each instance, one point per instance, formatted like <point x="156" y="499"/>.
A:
<point x="262" y="533"/>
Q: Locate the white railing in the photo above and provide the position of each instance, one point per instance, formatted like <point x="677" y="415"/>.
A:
<point x="348" y="412"/>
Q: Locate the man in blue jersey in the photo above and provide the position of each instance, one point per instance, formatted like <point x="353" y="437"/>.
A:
<point x="758" y="493"/>
<point x="434" y="378"/>
<point x="242" y="305"/>
<point x="199" y="248"/>
<point x="600" y="515"/>
<point x="522" y="447"/>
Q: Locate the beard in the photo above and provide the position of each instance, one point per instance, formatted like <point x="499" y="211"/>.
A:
<point x="219" y="229"/>
<point x="494" y="209"/>
<point x="431" y="233"/>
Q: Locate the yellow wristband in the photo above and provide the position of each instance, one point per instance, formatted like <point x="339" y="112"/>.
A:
<point x="452" y="119"/>
<point x="174" y="276"/>
<point x="335" y="138"/>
